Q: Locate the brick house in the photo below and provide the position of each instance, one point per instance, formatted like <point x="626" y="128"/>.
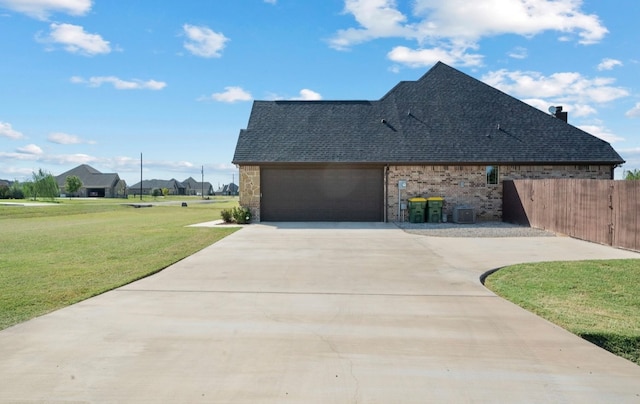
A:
<point x="446" y="134"/>
<point x="94" y="183"/>
<point x="146" y="187"/>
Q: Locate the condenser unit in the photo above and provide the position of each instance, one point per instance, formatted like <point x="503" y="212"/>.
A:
<point x="464" y="214"/>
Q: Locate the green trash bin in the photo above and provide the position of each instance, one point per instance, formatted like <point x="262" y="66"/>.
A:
<point x="417" y="207"/>
<point x="434" y="209"/>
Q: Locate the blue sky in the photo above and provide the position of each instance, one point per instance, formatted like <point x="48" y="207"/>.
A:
<point x="101" y="81"/>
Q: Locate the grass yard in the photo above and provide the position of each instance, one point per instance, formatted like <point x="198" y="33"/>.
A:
<point x="597" y="300"/>
<point x="54" y="256"/>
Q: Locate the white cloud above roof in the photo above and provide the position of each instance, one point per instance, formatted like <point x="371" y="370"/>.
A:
<point x="601" y="132"/>
<point x="230" y="95"/>
<point x="449" y="29"/>
<point x="42" y="9"/>
<point x="574" y="91"/>
<point x="428" y="57"/>
<point x="204" y="42"/>
<point x="308" y="95"/>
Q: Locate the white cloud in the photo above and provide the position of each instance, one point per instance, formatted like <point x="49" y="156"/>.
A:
<point x="449" y="29"/>
<point x="74" y="39"/>
<point x="308" y="95"/>
<point x="230" y="95"/>
<point x="476" y="19"/>
<point x="7" y="131"/>
<point x="202" y="41"/>
<point x="518" y="53"/>
<point x="428" y="57"/>
<point x="580" y="110"/>
<point x="608" y="64"/>
<point x="30" y="149"/>
<point x="41" y="9"/>
<point x="120" y="84"/>
<point x="563" y="87"/>
<point x="64" y="138"/>
<point x="632" y="113"/>
<point x="601" y="132"/>
<point x="377" y="19"/>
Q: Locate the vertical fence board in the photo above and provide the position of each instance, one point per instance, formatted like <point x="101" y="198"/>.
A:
<point x="601" y="211"/>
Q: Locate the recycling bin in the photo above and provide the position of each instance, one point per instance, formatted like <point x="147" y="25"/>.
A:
<point x="417" y="207"/>
<point x="434" y="209"/>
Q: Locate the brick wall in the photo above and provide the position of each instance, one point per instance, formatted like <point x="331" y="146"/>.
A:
<point x="250" y="190"/>
<point x="467" y="185"/>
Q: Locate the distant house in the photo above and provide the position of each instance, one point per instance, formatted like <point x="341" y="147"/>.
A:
<point x="193" y="187"/>
<point x="445" y="135"/>
<point x="228" y="189"/>
<point x="174" y="186"/>
<point x="94" y="183"/>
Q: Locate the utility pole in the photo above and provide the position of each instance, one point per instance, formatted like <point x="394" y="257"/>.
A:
<point x="140" y="176"/>
<point x="202" y="183"/>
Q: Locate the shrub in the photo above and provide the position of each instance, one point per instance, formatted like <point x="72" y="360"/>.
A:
<point x="237" y="215"/>
<point x="226" y="215"/>
<point x="241" y="215"/>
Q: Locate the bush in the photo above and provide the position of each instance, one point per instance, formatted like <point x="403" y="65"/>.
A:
<point x="242" y="215"/>
<point x="226" y="215"/>
<point x="237" y="215"/>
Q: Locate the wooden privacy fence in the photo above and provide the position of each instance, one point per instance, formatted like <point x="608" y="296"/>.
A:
<point x="602" y="211"/>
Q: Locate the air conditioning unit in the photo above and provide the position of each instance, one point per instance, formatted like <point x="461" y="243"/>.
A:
<point x="464" y="214"/>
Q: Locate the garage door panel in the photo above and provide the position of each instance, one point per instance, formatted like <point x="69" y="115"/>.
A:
<point x="322" y="194"/>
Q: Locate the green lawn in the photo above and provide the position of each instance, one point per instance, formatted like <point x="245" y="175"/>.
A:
<point x="57" y="255"/>
<point x="597" y="300"/>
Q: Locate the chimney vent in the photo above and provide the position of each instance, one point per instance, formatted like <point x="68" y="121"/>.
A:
<point x="557" y="112"/>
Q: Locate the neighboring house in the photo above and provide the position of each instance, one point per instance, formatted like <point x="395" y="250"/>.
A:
<point x="94" y="183"/>
<point x="228" y="189"/>
<point x="174" y="186"/>
<point x="193" y="187"/>
<point x="446" y="134"/>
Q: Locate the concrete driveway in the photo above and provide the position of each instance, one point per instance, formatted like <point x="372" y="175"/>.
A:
<point x="326" y="313"/>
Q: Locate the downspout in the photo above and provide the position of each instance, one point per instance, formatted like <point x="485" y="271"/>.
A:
<point x="386" y="193"/>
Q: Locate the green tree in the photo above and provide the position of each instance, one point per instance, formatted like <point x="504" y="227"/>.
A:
<point x="16" y="191"/>
<point x="44" y="185"/>
<point x="156" y="192"/>
<point x="632" y="174"/>
<point x="165" y="192"/>
<point x="28" y="189"/>
<point x="72" y="184"/>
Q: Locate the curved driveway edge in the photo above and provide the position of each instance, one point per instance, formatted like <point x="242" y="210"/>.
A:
<point x="318" y="312"/>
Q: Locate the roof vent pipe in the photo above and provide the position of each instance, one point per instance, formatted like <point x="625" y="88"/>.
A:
<point x="558" y="113"/>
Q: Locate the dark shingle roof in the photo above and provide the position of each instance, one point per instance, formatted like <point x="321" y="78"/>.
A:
<point x="155" y="183"/>
<point x="90" y="177"/>
<point x="444" y="117"/>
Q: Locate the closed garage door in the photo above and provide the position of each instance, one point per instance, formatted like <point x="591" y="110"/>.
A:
<point x="344" y="194"/>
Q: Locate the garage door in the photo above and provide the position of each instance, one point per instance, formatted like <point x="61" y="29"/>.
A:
<point x="345" y="194"/>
